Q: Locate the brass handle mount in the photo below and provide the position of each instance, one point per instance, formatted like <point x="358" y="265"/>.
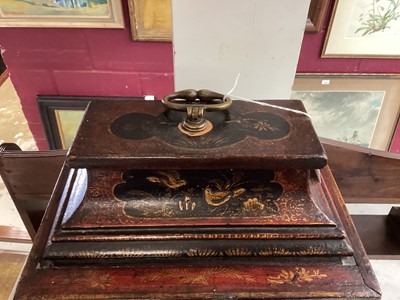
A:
<point x="195" y="103"/>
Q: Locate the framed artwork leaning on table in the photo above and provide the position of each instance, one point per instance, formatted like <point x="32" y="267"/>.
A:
<point x="358" y="109"/>
<point x="62" y="115"/>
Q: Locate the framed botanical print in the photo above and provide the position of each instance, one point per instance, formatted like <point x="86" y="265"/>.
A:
<point x="364" y="28"/>
<point x="358" y="109"/>
<point x="62" y="115"/>
<point x="61" y="13"/>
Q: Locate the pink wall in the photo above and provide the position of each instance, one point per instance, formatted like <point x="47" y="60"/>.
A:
<point x="95" y="62"/>
<point x="395" y="147"/>
<point x="310" y="61"/>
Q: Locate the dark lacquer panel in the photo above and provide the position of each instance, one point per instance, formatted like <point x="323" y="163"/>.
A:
<point x="143" y="134"/>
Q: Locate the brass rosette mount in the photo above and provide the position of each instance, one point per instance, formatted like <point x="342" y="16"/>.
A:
<point x="195" y="103"/>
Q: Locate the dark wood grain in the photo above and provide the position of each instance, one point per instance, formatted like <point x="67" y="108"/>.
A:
<point x="393" y="223"/>
<point x="364" y="175"/>
<point x="359" y="254"/>
<point x="379" y="241"/>
<point x="30" y="177"/>
<point x="14" y="234"/>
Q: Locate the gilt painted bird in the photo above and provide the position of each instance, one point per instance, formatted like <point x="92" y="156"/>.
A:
<point x="217" y="198"/>
<point x="169" y="179"/>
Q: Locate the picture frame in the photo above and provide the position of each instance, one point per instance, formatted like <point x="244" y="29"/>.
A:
<point x="368" y="111"/>
<point x="363" y="28"/>
<point x="61" y="116"/>
<point x="4" y="76"/>
<point x="62" y="14"/>
<point x="316" y="15"/>
<point x="141" y="32"/>
<point x="151" y="20"/>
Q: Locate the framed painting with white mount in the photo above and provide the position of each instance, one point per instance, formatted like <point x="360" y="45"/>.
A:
<point x="364" y="28"/>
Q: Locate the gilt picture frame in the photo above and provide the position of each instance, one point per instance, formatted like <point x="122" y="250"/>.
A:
<point x="62" y="115"/>
<point x="151" y="20"/>
<point x="62" y="13"/>
<point x="316" y="15"/>
<point x="143" y="12"/>
<point x="364" y="28"/>
<point x="361" y="109"/>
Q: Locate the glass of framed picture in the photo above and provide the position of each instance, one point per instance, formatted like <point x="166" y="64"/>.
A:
<point x="62" y="115"/>
<point x="364" y="28"/>
<point x="358" y="109"/>
<point x="151" y="20"/>
<point x="61" y="13"/>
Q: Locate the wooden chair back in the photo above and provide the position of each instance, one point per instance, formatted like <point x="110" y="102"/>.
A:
<point x="369" y="176"/>
<point x="364" y="175"/>
<point x="30" y="177"/>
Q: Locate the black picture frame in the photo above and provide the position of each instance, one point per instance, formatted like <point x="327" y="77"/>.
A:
<point x="49" y="107"/>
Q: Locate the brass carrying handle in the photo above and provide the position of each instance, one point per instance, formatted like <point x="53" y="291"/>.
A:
<point x="195" y="103"/>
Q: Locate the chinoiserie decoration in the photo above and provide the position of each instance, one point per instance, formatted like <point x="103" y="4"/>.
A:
<point x="197" y="197"/>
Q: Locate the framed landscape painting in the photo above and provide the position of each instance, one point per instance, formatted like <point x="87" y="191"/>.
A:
<point x="358" y="109"/>
<point x="61" y="13"/>
<point x="62" y="115"/>
<point x="364" y="28"/>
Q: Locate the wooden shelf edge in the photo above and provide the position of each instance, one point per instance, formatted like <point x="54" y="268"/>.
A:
<point x="378" y="241"/>
<point x="14" y="234"/>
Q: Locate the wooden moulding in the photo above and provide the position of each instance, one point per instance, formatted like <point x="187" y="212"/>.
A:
<point x="316" y="15"/>
<point x="14" y="234"/>
<point x="198" y="278"/>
